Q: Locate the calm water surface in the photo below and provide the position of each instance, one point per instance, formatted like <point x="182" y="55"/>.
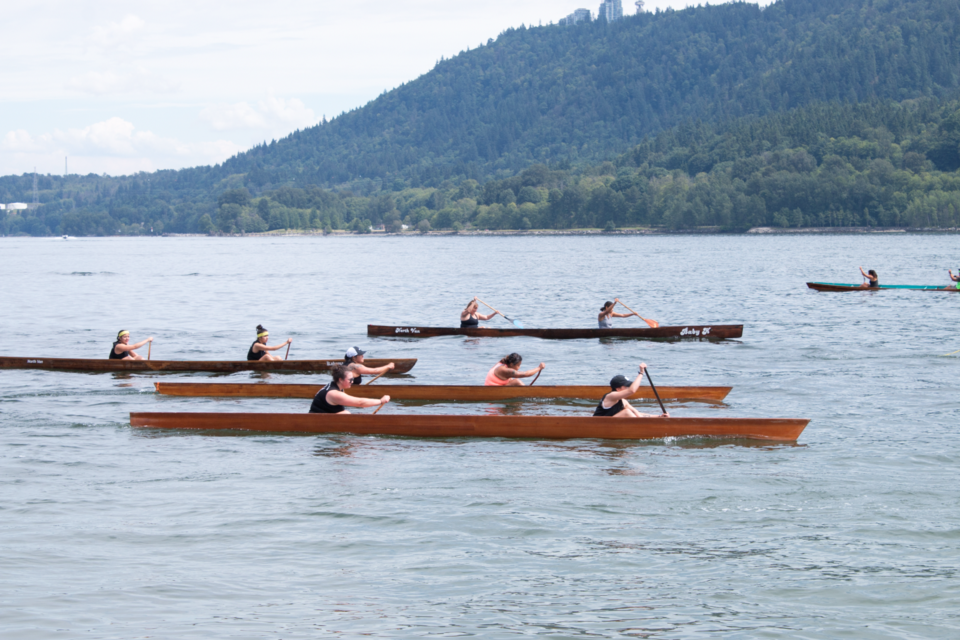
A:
<point x="111" y="532"/>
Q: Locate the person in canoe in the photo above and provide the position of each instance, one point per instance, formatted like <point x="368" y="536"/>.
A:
<point x="506" y="373"/>
<point x="873" y="280"/>
<point x="470" y="318"/>
<point x="333" y="399"/>
<point x="353" y="361"/>
<point x="259" y="349"/>
<point x="123" y="350"/>
<point x="614" y="404"/>
<point x="956" y="280"/>
<point x="607" y="312"/>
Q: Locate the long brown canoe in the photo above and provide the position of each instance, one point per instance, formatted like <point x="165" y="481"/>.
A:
<point x="697" y="332"/>
<point x="464" y="393"/>
<point x="403" y="365"/>
<point x="836" y="286"/>
<point x="467" y="426"/>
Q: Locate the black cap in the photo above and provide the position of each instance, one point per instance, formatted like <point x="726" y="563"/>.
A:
<point x="353" y="352"/>
<point x="619" y="381"/>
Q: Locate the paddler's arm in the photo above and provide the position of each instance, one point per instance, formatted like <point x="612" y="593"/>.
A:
<point x="370" y="371"/>
<point x="132" y="347"/>
<point x="343" y="399"/>
<point x="613" y="396"/>
<point x="531" y="372"/>
<point x="486" y="317"/>
<point x="264" y="347"/>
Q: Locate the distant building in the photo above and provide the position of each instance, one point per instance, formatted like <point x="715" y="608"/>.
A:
<point x="610" y="10"/>
<point x="639" y="4"/>
<point x="580" y="15"/>
<point x="2" y="207"/>
<point x="17" y="206"/>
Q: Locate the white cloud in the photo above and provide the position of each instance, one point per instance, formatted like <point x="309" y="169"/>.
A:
<point x="117" y="32"/>
<point x="111" y="82"/>
<point x="270" y="113"/>
<point x="113" y="145"/>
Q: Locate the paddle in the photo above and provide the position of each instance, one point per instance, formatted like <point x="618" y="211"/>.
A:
<point x="652" y="386"/>
<point x="535" y="377"/>
<point x="375" y="379"/>
<point x="653" y="323"/>
<point x="288" y="350"/>
<point x="149" y="349"/>
<point x="378" y="409"/>
<point x="516" y="323"/>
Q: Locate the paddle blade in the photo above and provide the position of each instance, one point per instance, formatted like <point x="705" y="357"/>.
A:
<point x="653" y="323"/>
<point x="517" y="324"/>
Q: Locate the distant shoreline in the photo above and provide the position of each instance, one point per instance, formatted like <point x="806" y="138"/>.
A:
<point x="546" y="232"/>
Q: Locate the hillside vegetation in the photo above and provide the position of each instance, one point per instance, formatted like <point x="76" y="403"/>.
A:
<point x="804" y="113"/>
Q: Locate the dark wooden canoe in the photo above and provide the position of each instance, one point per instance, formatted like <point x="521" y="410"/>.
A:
<point x="700" y="332"/>
<point x="403" y="365"/>
<point x="465" y="393"/>
<point x="832" y="286"/>
<point x="483" y="426"/>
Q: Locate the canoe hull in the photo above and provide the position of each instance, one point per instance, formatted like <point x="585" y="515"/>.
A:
<point x="836" y="286"/>
<point x="90" y="365"/>
<point x="456" y="426"/>
<point x="465" y="393"/>
<point x="694" y="332"/>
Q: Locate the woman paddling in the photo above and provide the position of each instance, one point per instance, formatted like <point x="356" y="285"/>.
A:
<point x="123" y="350"/>
<point x="956" y="280"/>
<point x="614" y="404"/>
<point x="607" y="312"/>
<point x="873" y="280"/>
<point x="258" y="350"/>
<point x="470" y="319"/>
<point x="353" y="361"/>
<point x="332" y="399"/>
<point x="506" y="372"/>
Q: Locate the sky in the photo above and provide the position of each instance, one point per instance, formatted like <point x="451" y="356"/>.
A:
<point x="120" y="87"/>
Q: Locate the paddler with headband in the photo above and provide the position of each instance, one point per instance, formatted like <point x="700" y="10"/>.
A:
<point x="123" y="350"/>
<point x="258" y="350"/>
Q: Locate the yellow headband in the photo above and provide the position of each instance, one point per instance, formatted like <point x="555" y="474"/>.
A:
<point x="123" y="333"/>
<point x="265" y="333"/>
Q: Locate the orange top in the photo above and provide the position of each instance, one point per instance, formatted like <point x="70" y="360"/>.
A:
<point x="492" y="379"/>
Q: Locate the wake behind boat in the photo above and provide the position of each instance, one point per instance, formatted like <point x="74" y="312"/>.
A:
<point x="696" y="332"/>
<point x="832" y="286"/>
<point x="451" y="393"/>
<point x="483" y="426"/>
<point x="93" y="365"/>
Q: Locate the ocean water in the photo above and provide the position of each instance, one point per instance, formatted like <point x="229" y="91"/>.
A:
<point x="112" y="532"/>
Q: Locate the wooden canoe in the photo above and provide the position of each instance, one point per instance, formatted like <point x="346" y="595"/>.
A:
<point x="697" y="332"/>
<point x="92" y="365"/>
<point x="471" y="393"/>
<point x="832" y="286"/>
<point x="480" y="426"/>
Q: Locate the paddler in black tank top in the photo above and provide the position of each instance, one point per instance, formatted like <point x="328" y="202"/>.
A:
<point x="470" y="319"/>
<point x="332" y="399"/>
<point x="873" y="280"/>
<point x="353" y="361"/>
<point x="615" y="405"/>
<point x="258" y="350"/>
<point x="123" y="350"/>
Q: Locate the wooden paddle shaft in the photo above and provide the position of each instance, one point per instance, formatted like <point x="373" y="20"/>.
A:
<point x="378" y="409"/>
<point x="149" y="349"/>
<point x="486" y="305"/>
<point x="288" y="350"/>
<point x="377" y="378"/>
<point x="535" y="377"/>
<point x="652" y="323"/>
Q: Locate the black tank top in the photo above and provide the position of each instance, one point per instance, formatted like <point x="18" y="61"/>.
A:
<point x="875" y="283"/>
<point x="255" y="355"/>
<point x="612" y="411"/>
<point x="320" y="404"/>
<point x="470" y="322"/>
<point x="118" y="356"/>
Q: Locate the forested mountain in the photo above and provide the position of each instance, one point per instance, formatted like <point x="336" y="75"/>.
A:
<point x="732" y="90"/>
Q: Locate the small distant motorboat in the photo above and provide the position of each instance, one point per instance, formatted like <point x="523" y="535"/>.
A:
<point x="832" y="286"/>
